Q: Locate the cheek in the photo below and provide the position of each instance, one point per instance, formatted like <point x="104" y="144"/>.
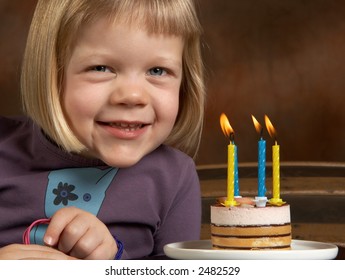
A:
<point x="175" y="104"/>
<point x="79" y="115"/>
<point x="77" y="103"/>
<point x="71" y="105"/>
<point x="175" y="111"/>
<point x="77" y="119"/>
<point x="169" y="112"/>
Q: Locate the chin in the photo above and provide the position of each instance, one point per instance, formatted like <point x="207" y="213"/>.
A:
<point x="128" y="162"/>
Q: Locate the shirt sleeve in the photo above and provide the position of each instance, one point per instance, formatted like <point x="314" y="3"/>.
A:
<point x="183" y="220"/>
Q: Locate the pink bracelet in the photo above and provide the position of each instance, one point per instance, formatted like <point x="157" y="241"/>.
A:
<point x="26" y="235"/>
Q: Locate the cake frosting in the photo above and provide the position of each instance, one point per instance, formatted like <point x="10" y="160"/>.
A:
<point x="251" y="228"/>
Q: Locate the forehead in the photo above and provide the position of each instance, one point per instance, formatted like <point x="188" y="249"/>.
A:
<point x="110" y="37"/>
<point x="167" y="17"/>
<point x="173" y="17"/>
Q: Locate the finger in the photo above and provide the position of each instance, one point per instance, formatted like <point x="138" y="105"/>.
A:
<point x="57" y="224"/>
<point x="104" y="248"/>
<point x="95" y="243"/>
<point x="72" y="233"/>
<point x="103" y="252"/>
<point x="87" y="244"/>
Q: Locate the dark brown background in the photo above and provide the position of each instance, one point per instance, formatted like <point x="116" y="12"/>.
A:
<point x="282" y="58"/>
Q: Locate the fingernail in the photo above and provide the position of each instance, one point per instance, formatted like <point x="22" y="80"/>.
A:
<point x="48" y="240"/>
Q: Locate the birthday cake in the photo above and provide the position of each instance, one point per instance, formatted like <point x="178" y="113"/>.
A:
<point x="248" y="227"/>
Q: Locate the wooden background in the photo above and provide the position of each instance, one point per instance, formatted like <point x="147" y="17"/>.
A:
<point x="282" y="58"/>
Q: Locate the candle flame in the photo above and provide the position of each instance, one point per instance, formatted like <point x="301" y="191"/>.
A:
<point x="272" y="132"/>
<point x="225" y="125"/>
<point x="257" y="125"/>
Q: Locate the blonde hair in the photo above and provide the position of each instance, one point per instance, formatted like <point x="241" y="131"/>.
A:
<point x="55" y="26"/>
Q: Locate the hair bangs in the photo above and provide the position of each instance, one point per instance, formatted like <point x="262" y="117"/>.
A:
<point x="157" y="17"/>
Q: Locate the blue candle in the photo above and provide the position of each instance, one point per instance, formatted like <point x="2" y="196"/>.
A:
<point x="261" y="160"/>
<point x="262" y="168"/>
<point x="237" y="187"/>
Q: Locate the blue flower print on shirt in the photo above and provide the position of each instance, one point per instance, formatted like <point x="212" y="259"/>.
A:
<point x="64" y="193"/>
<point x="84" y="188"/>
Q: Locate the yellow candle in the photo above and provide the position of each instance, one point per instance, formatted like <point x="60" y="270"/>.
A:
<point x="275" y="200"/>
<point x="276" y="171"/>
<point x="230" y="201"/>
<point x="229" y="132"/>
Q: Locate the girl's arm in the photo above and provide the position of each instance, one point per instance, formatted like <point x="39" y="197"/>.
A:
<point x="31" y="252"/>
<point x="183" y="220"/>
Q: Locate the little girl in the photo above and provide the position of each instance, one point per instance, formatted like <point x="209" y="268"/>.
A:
<point x="114" y="96"/>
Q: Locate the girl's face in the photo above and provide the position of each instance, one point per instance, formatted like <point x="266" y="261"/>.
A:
<point x="121" y="90"/>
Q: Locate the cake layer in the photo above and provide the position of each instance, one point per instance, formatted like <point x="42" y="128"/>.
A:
<point x="259" y="243"/>
<point x="250" y="216"/>
<point x="268" y="248"/>
<point x="250" y="231"/>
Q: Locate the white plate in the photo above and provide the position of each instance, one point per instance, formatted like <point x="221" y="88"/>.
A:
<point x="202" y="250"/>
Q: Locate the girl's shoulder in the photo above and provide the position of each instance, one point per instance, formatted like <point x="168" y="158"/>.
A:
<point x="166" y="162"/>
<point x="170" y="155"/>
<point x="14" y="124"/>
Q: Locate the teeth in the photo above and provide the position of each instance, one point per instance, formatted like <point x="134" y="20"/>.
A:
<point x="126" y="126"/>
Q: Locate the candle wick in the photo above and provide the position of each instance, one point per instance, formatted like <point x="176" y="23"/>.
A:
<point x="232" y="137"/>
<point x="260" y="131"/>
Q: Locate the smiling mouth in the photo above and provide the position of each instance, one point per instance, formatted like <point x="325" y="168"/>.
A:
<point x="127" y="126"/>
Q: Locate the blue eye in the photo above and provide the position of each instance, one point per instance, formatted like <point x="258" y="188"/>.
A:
<point x="157" y="71"/>
<point x="100" y="68"/>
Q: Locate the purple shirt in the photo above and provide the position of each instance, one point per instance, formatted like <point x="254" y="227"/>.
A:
<point x="153" y="203"/>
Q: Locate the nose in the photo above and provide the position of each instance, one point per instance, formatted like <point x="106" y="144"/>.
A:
<point x="129" y="91"/>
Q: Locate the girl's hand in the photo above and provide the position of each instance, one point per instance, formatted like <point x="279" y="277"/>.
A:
<point x="80" y="234"/>
<point x="31" y="252"/>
